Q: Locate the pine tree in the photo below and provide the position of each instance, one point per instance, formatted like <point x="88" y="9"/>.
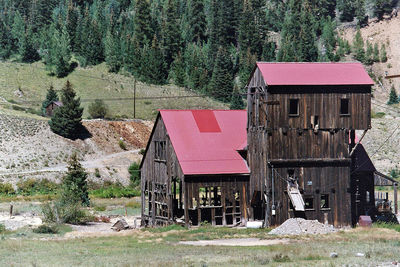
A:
<point x="358" y="47"/>
<point x="27" y="50"/>
<point x="153" y="68"/>
<point x="51" y="96"/>
<point x="178" y="71"/>
<point x="221" y="84"/>
<point x="346" y="10"/>
<point x="376" y="53"/>
<point x="5" y="40"/>
<point x="236" y="100"/>
<point x="196" y="69"/>
<point x="369" y="54"/>
<point x="359" y="6"/>
<point x="307" y="37"/>
<point x="248" y="35"/>
<point x="196" y="21"/>
<point x="74" y="184"/>
<point x="170" y="32"/>
<point x="58" y="54"/>
<point x="328" y="37"/>
<point x="248" y="61"/>
<point x="393" y="98"/>
<point x="71" y="22"/>
<point x="66" y="120"/>
<point x="382" y="7"/>
<point x="18" y="31"/>
<point x="383" y="53"/>
<point x="112" y="50"/>
<point x="142" y="21"/>
<point x="289" y="50"/>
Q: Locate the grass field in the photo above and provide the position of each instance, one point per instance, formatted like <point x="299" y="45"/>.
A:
<point x="92" y="83"/>
<point x="161" y="248"/>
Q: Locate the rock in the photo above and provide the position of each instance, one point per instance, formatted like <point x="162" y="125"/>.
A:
<point x="333" y="255"/>
<point x="360" y="254"/>
<point x="299" y="226"/>
<point x="120" y="225"/>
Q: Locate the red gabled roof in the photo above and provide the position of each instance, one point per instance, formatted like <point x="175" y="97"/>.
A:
<point x="314" y="74"/>
<point x="206" y="141"/>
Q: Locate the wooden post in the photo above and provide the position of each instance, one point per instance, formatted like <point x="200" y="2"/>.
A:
<point x="11" y="210"/>
<point x="186" y="204"/>
<point x="395" y="198"/>
<point x="134" y="99"/>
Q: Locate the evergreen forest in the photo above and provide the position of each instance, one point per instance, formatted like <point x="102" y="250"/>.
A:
<point x="209" y="46"/>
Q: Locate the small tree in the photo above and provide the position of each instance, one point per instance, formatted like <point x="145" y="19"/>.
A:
<point x="134" y="171"/>
<point x="74" y="185"/>
<point x="236" y="100"/>
<point x="369" y="55"/>
<point x="50" y="97"/>
<point x="393" y="98"/>
<point x="376" y="53"/>
<point x="383" y="53"/>
<point x="98" y="109"/>
<point x="66" y="120"/>
<point x="358" y="47"/>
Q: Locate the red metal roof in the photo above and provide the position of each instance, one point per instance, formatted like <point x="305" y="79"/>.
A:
<point x="314" y="73"/>
<point x="206" y="141"/>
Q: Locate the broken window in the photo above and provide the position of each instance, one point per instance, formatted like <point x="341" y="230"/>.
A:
<point x="160" y="150"/>
<point x="293" y="107"/>
<point x="309" y="203"/>
<point x="324" y="201"/>
<point x="344" y="106"/>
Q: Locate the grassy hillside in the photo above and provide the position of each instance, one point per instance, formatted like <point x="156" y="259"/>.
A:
<point x="91" y="83"/>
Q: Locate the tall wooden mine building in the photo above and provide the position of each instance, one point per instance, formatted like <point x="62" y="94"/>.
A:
<point x="302" y="119"/>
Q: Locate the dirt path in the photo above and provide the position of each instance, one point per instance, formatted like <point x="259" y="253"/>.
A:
<point x="237" y="242"/>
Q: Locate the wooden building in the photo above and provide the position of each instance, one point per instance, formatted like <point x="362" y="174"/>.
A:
<point x="52" y="107"/>
<point x="193" y="168"/>
<point x="302" y="119"/>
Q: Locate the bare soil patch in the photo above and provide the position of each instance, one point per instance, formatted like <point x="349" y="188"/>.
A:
<point x="237" y="242"/>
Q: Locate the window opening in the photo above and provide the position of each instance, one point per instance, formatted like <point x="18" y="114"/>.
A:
<point x="309" y="203"/>
<point x="344" y="107"/>
<point x="293" y="107"/>
<point x="324" y="201"/>
<point x="160" y="147"/>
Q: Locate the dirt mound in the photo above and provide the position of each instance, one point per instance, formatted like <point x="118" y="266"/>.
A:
<point x="300" y="226"/>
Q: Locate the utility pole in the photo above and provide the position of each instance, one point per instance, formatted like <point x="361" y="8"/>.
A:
<point x="134" y="99"/>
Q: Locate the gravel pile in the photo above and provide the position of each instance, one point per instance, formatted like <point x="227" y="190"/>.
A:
<point x="300" y="226"/>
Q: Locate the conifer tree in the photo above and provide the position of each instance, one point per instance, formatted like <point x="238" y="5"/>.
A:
<point x="58" y="54"/>
<point x="382" y="7"/>
<point x="112" y="50"/>
<point x="248" y="61"/>
<point x="153" y="69"/>
<point x="51" y="96"/>
<point x="236" y="100"/>
<point x="248" y="35"/>
<point x="196" y="68"/>
<point x="358" y="47"/>
<point x="383" y="53"/>
<point x="5" y="39"/>
<point x="369" y="54"/>
<point x="142" y="21"/>
<point x="346" y="10"/>
<point x="307" y="36"/>
<point x="196" y="21"/>
<point x="178" y="71"/>
<point x="71" y="22"/>
<point x="393" y="98"/>
<point x="376" y="53"/>
<point x="221" y="84"/>
<point x="290" y="31"/>
<point x="74" y="184"/>
<point x="359" y="6"/>
<point x="66" y="120"/>
<point x="26" y="50"/>
<point x="170" y="32"/>
<point x="328" y="37"/>
<point x="18" y="31"/>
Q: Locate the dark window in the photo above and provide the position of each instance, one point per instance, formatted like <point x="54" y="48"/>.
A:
<point x="160" y="152"/>
<point x="309" y="203"/>
<point x="344" y="107"/>
<point x="324" y="201"/>
<point x="293" y="107"/>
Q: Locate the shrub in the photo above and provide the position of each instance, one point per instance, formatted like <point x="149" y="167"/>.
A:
<point x="62" y="211"/>
<point x="97" y="173"/>
<point x="6" y="189"/>
<point x="2" y="228"/>
<point x="122" y="144"/>
<point x="134" y="171"/>
<point x="98" y="109"/>
<point x="35" y="187"/>
<point x="46" y="229"/>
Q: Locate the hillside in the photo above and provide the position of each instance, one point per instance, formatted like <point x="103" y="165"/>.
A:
<point x="382" y="147"/>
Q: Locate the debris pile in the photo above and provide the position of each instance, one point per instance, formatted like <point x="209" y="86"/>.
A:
<point x="300" y="226"/>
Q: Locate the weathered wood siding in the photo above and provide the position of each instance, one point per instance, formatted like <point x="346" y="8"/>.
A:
<point x="156" y="178"/>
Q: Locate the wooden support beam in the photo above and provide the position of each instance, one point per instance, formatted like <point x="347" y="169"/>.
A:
<point x="359" y="141"/>
<point x="392" y="76"/>
<point x="318" y="161"/>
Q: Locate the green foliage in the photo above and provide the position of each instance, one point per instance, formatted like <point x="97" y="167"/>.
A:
<point x="32" y="186"/>
<point x="178" y="71"/>
<point x="376" y="53"/>
<point x="112" y="50"/>
<point x="346" y="9"/>
<point x="134" y="172"/>
<point x="358" y="47"/>
<point x="66" y="120"/>
<point x="170" y="32"/>
<point x="2" y="228"/>
<point x="196" y="21"/>
<point x="383" y="53"/>
<point x="51" y="96"/>
<point x="46" y="229"/>
<point x="221" y="85"/>
<point x="382" y="7"/>
<point x="359" y="6"/>
<point x="74" y="184"/>
<point x="98" y="109"/>
<point x="142" y="21"/>
<point x="6" y="189"/>
<point x="236" y="100"/>
<point x="395" y="174"/>
<point x="378" y="115"/>
<point x="153" y="67"/>
<point x="369" y="54"/>
<point x="65" y="212"/>
<point x="393" y="98"/>
<point x="115" y="191"/>
<point x="122" y="144"/>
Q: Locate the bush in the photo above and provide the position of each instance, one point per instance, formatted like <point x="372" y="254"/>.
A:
<point x="6" y="189"/>
<point x="134" y="171"/>
<point x="46" y="229"/>
<point x="98" y="109"/>
<point x="65" y="212"/>
<point x="34" y="187"/>
<point x="2" y="228"/>
<point x="122" y="144"/>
